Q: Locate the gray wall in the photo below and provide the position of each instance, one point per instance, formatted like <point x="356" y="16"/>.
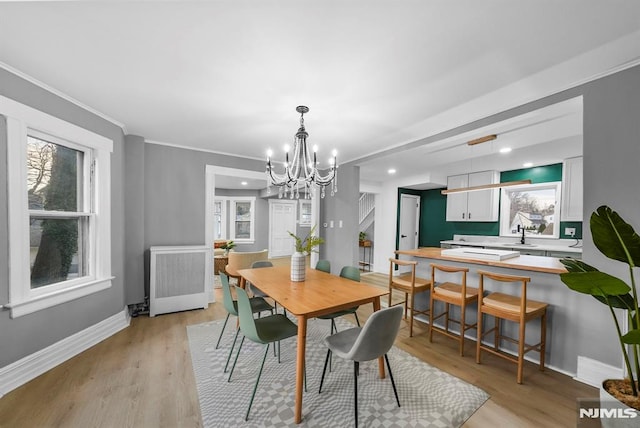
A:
<point x="28" y="334"/>
<point x="4" y="226"/>
<point x="174" y="195"/>
<point x="611" y="167"/>
<point x="341" y="246"/>
<point x="135" y="216"/>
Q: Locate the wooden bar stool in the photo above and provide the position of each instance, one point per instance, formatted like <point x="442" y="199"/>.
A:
<point x="512" y="308"/>
<point x="409" y="284"/>
<point x="451" y="294"/>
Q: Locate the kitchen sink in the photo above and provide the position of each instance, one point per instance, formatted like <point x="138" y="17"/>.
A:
<point x="517" y="244"/>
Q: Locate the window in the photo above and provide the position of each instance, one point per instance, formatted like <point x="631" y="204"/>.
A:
<point x="533" y="207"/>
<point x="242" y="219"/>
<point x="220" y="219"/>
<point x="305" y="213"/>
<point x="59" y="210"/>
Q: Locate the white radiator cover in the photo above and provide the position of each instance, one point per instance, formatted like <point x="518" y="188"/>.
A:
<point x="179" y="276"/>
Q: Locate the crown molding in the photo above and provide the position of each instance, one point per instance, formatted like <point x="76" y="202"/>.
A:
<point x="200" y="149"/>
<point x="62" y="95"/>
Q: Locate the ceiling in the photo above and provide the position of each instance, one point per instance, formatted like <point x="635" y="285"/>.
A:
<point x="226" y="75"/>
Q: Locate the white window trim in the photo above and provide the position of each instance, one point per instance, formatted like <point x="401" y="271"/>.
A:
<point x="23" y="300"/>
<point x="232" y="219"/>
<point x="504" y="208"/>
<point x="223" y="215"/>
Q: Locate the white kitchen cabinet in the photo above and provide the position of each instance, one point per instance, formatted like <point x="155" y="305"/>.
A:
<point x="571" y="205"/>
<point x="478" y="205"/>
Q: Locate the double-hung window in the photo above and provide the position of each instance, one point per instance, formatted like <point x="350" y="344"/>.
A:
<point x="220" y="218"/>
<point x="59" y="209"/>
<point x="243" y="219"/>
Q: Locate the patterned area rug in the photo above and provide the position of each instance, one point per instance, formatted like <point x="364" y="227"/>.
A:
<point x="428" y="396"/>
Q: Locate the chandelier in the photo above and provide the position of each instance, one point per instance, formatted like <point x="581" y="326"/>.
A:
<point x="302" y="172"/>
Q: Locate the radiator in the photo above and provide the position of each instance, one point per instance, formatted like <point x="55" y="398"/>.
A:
<point x="178" y="278"/>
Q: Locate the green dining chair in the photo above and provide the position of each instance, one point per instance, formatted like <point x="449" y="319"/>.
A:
<point x="372" y="341"/>
<point x="255" y="291"/>
<point x="324" y="266"/>
<point x="267" y="330"/>
<point x="352" y="273"/>
<point x="258" y="305"/>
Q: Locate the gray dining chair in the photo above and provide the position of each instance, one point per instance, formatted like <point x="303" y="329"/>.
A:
<point x="366" y="343"/>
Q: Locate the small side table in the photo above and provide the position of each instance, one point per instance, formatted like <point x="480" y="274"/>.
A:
<point x="219" y="263"/>
<point x="364" y="263"/>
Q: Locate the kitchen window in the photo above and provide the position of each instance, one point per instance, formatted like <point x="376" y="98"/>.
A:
<point x="59" y="209"/>
<point x="534" y="207"/>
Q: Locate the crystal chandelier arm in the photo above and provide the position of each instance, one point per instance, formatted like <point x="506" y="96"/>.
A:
<point x="327" y="179"/>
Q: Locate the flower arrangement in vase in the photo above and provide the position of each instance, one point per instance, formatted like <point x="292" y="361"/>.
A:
<point x="303" y="247"/>
<point x="228" y="246"/>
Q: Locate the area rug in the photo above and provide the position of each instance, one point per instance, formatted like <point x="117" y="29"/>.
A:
<point x="428" y="396"/>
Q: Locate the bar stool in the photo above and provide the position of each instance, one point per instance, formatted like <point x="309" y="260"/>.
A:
<point x="451" y="294"/>
<point x="409" y="284"/>
<point x="512" y="308"/>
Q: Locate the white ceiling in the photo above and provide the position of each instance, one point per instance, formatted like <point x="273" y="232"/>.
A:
<point x="226" y="76"/>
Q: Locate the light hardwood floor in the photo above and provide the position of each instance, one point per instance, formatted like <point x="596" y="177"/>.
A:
<point x="142" y="377"/>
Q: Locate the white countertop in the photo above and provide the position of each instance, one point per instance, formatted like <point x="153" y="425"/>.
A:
<point x="541" y="244"/>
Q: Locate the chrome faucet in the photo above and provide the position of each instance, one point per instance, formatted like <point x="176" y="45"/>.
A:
<point x="521" y="228"/>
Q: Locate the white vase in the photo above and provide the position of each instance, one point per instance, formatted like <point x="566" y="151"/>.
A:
<point x="298" y="266"/>
<point x="624" y="415"/>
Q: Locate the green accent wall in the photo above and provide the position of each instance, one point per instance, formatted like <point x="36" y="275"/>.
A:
<point x="433" y="209"/>
<point x="538" y="174"/>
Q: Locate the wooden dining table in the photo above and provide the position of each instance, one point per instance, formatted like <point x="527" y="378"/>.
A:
<point x="320" y="293"/>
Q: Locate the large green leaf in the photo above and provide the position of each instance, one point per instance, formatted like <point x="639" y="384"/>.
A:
<point x="614" y="237"/>
<point x="623" y="301"/>
<point x="574" y="265"/>
<point x="595" y="283"/>
<point x="632" y="337"/>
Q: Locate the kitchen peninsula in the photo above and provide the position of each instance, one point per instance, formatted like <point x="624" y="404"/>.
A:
<point x="572" y="317"/>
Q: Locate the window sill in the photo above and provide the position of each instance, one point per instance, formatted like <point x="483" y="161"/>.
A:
<point x="26" y="307"/>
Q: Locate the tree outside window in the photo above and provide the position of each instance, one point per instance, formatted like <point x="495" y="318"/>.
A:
<point x="57" y="225"/>
<point x="533" y="207"/>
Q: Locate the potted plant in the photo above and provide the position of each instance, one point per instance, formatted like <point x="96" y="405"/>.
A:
<point x="362" y="236"/>
<point x="617" y="240"/>
<point x="228" y="246"/>
<point x="304" y="246"/>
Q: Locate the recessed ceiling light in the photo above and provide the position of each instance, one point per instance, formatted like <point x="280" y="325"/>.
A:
<point x="505" y="150"/>
<point x="244" y="183"/>
<point x="391" y="171"/>
<point x="527" y="164"/>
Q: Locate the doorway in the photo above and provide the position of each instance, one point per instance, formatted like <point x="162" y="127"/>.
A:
<point x="409" y="222"/>
<point x="282" y="219"/>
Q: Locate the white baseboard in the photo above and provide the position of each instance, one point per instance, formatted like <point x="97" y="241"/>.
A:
<point x="32" y="366"/>
<point x="593" y="372"/>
